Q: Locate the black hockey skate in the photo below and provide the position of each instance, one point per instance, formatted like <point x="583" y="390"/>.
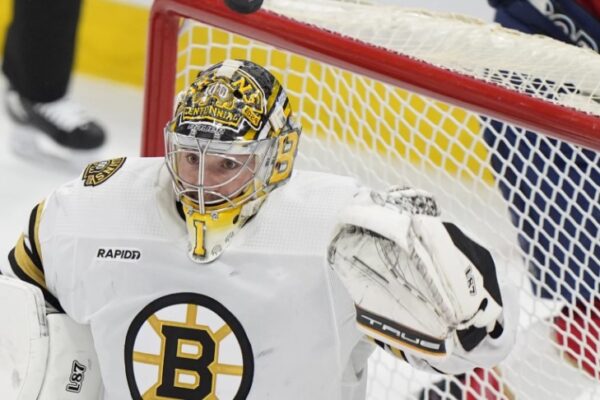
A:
<point x="69" y="130"/>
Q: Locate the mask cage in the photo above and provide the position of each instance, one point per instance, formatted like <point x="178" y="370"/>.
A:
<point x="218" y="175"/>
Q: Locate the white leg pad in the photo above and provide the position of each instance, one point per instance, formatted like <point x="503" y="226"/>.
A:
<point x="73" y="371"/>
<point x="23" y="339"/>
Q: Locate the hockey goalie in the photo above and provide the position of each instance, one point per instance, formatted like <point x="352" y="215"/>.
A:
<point x="217" y="273"/>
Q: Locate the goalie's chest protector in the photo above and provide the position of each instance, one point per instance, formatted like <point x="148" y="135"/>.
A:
<point x="266" y="320"/>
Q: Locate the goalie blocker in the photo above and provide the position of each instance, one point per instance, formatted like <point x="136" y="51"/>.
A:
<point x="43" y="357"/>
<point x="419" y="285"/>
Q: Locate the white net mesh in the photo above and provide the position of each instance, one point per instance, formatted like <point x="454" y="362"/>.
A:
<point x="439" y="39"/>
<point x="531" y="199"/>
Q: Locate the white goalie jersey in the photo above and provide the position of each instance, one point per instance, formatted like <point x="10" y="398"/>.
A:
<point x="268" y="319"/>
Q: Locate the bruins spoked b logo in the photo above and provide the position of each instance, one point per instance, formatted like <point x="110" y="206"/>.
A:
<point x="187" y="346"/>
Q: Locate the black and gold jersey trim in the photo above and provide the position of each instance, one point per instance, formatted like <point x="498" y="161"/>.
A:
<point x="34" y="225"/>
<point x="23" y="258"/>
<point x="23" y="267"/>
<point x="26" y="261"/>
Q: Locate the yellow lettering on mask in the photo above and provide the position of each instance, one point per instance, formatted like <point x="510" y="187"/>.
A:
<point x="286" y="151"/>
<point x="241" y="85"/>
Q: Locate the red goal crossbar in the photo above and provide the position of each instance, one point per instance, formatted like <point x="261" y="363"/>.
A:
<point x="353" y="55"/>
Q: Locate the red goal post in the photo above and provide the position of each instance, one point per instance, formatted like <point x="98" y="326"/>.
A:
<point x="503" y="128"/>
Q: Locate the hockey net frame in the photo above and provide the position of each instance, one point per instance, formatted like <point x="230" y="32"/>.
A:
<point x="567" y="123"/>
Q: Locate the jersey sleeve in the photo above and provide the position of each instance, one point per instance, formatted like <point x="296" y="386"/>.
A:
<point x="25" y="259"/>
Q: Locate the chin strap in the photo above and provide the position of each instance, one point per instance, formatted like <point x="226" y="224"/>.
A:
<point x="209" y="234"/>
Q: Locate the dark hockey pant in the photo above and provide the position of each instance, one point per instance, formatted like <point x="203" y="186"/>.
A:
<point x="39" y="48"/>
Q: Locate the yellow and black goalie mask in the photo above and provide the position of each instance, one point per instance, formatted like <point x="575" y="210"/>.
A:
<point x="232" y="140"/>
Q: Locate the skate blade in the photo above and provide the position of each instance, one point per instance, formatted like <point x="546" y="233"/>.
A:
<point x="31" y="144"/>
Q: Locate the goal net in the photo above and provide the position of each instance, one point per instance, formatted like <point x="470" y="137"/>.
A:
<point x="503" y="128"/>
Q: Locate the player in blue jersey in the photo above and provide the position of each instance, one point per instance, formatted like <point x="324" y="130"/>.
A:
<point x="553" y="203"/>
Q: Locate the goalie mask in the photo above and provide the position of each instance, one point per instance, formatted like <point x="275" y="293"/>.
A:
<point x="232" y="140"/>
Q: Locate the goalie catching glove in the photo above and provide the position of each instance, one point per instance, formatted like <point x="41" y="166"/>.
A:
<point x="414" y="279"/>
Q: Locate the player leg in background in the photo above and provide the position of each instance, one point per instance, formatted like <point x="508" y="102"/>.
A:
<point x="553" y="202"/>
<point x="552" y="196"/>
<point x="559" y="226"/>
<point x="38" y="59"/>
